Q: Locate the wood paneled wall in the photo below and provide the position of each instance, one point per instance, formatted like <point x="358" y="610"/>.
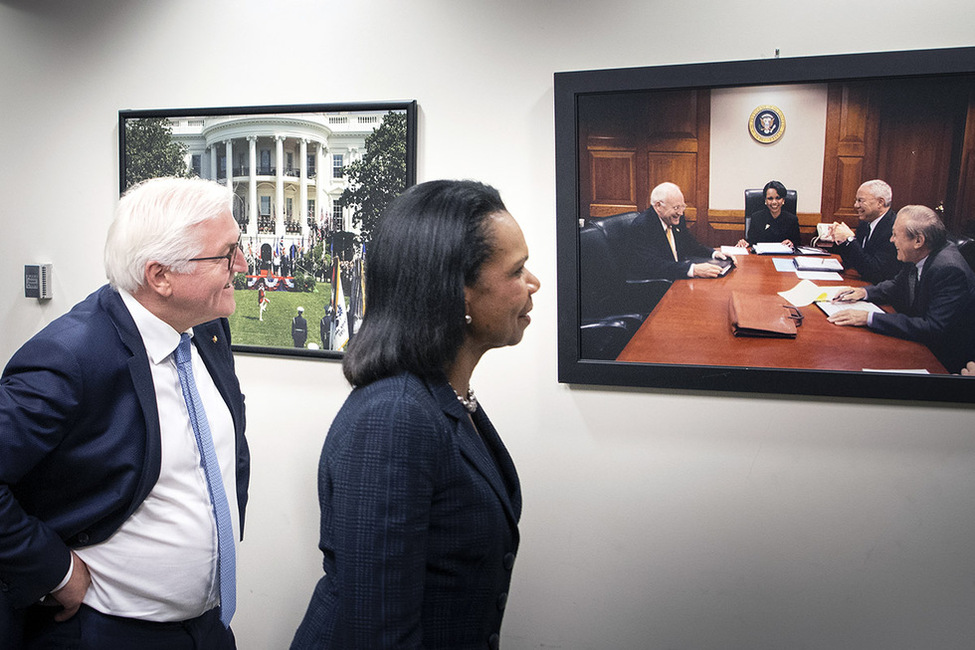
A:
<point x="635" y="141"/>
<point x="918" y="135"/>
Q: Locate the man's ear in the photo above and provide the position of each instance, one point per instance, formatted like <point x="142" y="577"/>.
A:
<point x="158" y="279"/>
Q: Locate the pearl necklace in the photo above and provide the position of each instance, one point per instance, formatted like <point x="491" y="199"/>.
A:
<point x="470" y="402"/>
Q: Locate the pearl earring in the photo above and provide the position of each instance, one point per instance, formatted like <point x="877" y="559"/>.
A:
<point x="467" y="318"/>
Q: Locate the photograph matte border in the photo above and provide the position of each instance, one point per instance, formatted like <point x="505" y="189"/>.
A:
<point x="291" y="118"/>
<point x="570" y="87"/>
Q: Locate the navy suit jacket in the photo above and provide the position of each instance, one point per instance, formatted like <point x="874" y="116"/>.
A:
<point x="419" y="523"/>
<point x="877" y="261"/>
<point x="79" y="438"/>
<point x="649" y="254"/>
<point x="941" y="314"/>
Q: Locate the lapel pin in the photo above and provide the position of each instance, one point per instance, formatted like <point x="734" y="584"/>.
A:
<point x="214" y="338"/>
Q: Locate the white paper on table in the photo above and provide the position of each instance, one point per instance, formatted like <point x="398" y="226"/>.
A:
<point x="734" y="250"/>
<point x="784" y="264"/>
<point x="806" y="293"/>
<point x="829" y="308"/>
<point x="774" y="248"/>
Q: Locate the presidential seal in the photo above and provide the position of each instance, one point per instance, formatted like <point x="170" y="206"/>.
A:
<point x="766" y="124"/>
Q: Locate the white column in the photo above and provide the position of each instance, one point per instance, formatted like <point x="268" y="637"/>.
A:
<point x="331" y="181"/>
<point x="213" y="162"/>
<point x="320" y="177"/>
<point x="252" y="185"/>
<point x="230" y="165"/>
<point x="279" y="186"/>
<point x="303" y="188"/>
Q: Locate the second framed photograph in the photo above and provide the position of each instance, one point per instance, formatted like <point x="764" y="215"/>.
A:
<point x="660" y="170"/>
<point x="310" y="182"/>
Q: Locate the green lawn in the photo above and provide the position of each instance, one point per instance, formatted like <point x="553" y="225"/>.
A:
<point x="275" y="329"/>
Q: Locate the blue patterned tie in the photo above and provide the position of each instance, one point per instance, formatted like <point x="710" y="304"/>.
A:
<point x="226" y="562"/>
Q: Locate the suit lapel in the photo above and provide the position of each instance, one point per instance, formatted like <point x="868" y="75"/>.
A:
<point x="881" y="232"/>
<point x="660" y="236"/>
<point x="922" y="292"/>
<point x="145" y="391"/>
<point x="678" y="240"/>
<point x="476" y="450"/>
<point x="210" y="346"/>
<point x="863" y="234"/>
<point x="500" y="461"/>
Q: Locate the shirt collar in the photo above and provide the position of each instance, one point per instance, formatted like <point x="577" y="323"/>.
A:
<point x="158" y="336"/>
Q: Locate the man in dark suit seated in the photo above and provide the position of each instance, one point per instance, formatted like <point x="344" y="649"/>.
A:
<point x="123" y="462"/>
<point x="869" y="250"/>
<point x="932" y="293"/>
<point x="661" y="246"/>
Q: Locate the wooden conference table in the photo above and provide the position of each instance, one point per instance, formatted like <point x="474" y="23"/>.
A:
<point x="691" y="325"/>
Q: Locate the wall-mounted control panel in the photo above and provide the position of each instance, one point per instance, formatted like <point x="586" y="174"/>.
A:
<point x="37" y="281"/>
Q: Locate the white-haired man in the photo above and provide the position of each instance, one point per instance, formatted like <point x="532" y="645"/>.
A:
<point x="869" y="249"/>
<point x="660" y="245"/>
<point x="932" y="293"/>
<point x="123" y="462"/>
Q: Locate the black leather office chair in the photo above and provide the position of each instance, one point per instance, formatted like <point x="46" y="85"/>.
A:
<point x="612" y="308"/>
<point x="966" y="246"/>
<point x="755" y="201"/>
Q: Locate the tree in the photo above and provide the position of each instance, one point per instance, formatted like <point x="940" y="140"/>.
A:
<point x="315" y="261"/>
<point x="150" y="151"/>
<point x="380" y="176"/>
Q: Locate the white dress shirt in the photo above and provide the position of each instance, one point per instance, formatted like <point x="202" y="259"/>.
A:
<point x="161" y="564"/>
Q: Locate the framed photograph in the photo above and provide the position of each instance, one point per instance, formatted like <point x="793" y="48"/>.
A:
<point x="905" y="117"/>
<point x="310" y="182"/>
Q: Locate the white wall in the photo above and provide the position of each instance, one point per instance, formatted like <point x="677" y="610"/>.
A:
<point x="738" y="161"/>
<point x="653" y="519"/>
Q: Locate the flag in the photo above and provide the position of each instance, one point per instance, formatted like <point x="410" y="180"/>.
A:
<point x="357" y="302"/>
<point x="340" y="326"/>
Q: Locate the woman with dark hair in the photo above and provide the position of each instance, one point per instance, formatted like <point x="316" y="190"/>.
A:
<point x="419" y="498"/>
<point x="772" y="223"/>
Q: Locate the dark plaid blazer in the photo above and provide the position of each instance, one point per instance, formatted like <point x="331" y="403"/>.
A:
<point x="419" y="523"/>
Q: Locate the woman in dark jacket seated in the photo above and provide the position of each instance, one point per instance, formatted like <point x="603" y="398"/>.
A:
<point x="772" y="223"/>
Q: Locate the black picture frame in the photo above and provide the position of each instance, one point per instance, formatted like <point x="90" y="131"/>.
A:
<point x="330" y="128"/>
<point x="571" y="87"/>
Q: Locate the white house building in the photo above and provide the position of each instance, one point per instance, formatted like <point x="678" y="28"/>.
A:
<point x="288" y="169"/>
